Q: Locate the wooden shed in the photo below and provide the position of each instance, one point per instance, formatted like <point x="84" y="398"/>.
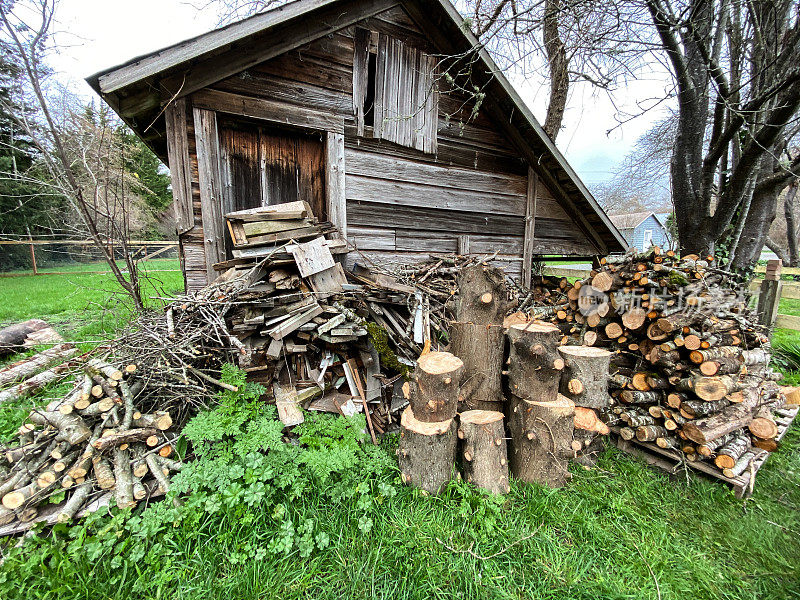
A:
<point x="386" y="116"/>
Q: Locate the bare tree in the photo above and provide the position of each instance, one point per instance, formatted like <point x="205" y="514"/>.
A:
<point x="81" y="162"/>
<point x="736" y="67"/>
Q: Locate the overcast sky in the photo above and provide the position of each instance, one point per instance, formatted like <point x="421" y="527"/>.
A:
<point x="102" y="33"/>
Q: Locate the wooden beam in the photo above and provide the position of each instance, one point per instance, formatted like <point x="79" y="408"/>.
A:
<point x="335" y="182"/>
<point x="180" y="166"/>
<point x="208" y="166"/>
<point x="530" y="223"/>
<point x="267" y="110"/>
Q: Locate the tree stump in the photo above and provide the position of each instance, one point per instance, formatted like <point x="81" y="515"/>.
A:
<point x="484" y="450"/>
<point x="584" y="379"/>
<point x="534" y="364"/>
<point x="427" y="452"/>
<point x="480" y="347"/>
<point x="541" y="440"/>
<point x="434" y="387"/>
<point x="482" y="295"/>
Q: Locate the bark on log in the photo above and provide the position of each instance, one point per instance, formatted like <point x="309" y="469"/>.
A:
<point x="484" y="450"/>
<point x="541" y="440"/>
<point x="30" y="366"/>
<point x="427" y="452"/>
<point x="584" y="379"/>
<point x="480" y="347"/>
<point x="731" y="418"/>
<point x="435" y="387"/>
<point x="534" y="369"/>
<point x="482" y="295"/>
<point x="13" y="337"/>
<point x="71" y="428"/>
<point x="124" y="437"/>
<point x="730" y="452"/>
<point x="35" y="383"/>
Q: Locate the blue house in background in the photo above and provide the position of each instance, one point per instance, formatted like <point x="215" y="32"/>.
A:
<point x="642" y="230"/>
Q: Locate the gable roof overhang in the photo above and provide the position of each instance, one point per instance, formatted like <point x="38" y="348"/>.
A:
<point x="139" y="89"/>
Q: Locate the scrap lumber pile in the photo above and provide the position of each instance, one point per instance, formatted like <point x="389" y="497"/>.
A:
<point x="92" y="446"/>
<point x="690" y="371"/>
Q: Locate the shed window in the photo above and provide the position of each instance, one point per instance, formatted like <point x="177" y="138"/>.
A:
<point x="394" y="91"/>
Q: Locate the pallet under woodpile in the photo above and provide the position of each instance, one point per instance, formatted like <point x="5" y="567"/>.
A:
<point x="674" y="462"/>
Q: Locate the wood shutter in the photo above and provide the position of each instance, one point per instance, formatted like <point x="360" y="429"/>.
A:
<point x="406" y="108"/>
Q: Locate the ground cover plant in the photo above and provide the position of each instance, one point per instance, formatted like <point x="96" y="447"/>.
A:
<point x="325" y="516"/>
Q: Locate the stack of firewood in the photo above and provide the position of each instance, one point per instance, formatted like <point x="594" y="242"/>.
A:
<point x="690" y="370"/>
<point x="93" y="445"/>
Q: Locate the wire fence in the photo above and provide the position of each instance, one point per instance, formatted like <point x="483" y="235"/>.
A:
<point x="24" y="257"/>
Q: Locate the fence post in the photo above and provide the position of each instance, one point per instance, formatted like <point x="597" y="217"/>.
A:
<point x="769" y="296"/>
<point x="33" y="260"/>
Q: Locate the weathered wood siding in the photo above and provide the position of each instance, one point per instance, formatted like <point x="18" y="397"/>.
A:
<point x="402" y="203"/>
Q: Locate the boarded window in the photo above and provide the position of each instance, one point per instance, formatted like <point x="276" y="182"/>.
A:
<point x="394" y="90"/>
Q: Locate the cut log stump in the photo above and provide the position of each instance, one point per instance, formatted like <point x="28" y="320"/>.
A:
<point x="584" y="379"/>
<point x="427" y="452"/>
<point x="484" y="450"/>
<point x="541" y="440"/>
<point x="534" y="364"/>
<point x="480" y="347"/>
<point x="482" y="295"/>
<point x="435" y="385"/>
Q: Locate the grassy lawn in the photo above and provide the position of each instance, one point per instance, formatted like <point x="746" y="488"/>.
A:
<point x="617" y="531"/>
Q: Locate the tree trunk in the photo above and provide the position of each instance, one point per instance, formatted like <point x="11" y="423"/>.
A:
<point x="731" y="418"/>
<point x="484" y="450"/>
<point x="541" y="440"/>
<point x="558" y="65"/>
<point x="435" y="385"/>
<point x="480" y="347"/>
<point x="584" y="379"/>
<point x="427" y="452"/>
<point x="791" y="229"/>
<point x="534" y="369"/>
<point x="13" y="337"/>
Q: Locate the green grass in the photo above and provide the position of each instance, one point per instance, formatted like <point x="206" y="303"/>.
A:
<point x="617" y="531"/>
<point x="82" y="305"/>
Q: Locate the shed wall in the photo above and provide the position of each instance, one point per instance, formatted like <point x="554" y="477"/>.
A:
<point x="402" y="203"/>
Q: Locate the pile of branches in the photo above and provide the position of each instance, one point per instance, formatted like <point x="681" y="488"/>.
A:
<point x="111" y="438"/>
<point x="691" y="365"/>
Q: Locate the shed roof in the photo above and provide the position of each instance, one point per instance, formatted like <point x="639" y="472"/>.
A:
<point x="631" y="220"/>
<point x="139" y="89"/>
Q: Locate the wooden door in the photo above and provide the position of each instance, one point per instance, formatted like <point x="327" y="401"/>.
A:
<point x="265" y="166"/>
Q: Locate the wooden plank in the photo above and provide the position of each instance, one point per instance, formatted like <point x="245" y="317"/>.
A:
<point x="788" y="322"/>
<point x="371" y="238"/>
<point x="180" y="169"/>
<point x="295" y="93"/>
<point x="335" y="185"/>
<point x="385" y="191"/>
<point x="266" y="227"/>
<point x="377" y="214"/>
<point x="291" y="325"/>
<point x="380" y="85"/>
<point x="360" y="75"/>
<point x="287" y="210"/>
<point x="311" y="257"/>
<point x="530" y="223"/>
<point x="267" y="110"/>
<point x="211" y="186"/>
<point x="370" y="164"/>
<point x="449" y="153"/>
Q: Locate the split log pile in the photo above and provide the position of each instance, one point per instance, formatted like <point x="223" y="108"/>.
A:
<point x="690" y="368"/>
<point x="92" y="446"/>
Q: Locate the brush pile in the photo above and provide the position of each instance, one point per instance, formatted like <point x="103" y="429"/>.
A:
<point x="691" y="366"/>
